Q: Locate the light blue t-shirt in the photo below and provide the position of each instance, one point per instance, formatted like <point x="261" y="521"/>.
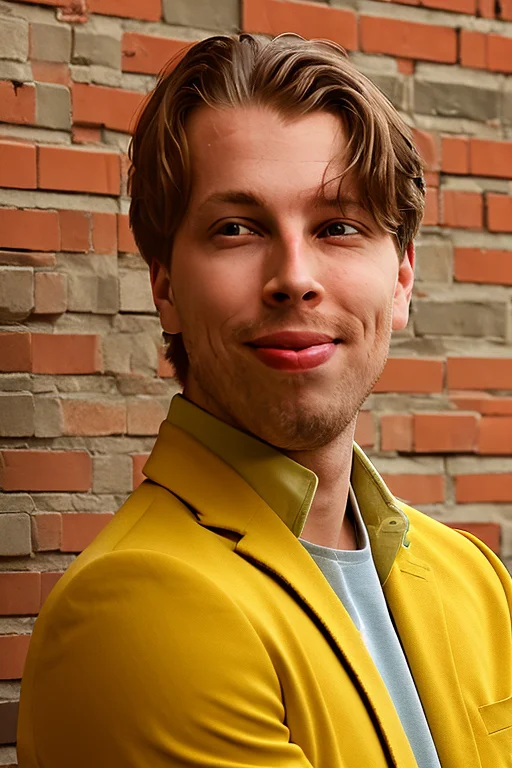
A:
<point x="353" y="577"/>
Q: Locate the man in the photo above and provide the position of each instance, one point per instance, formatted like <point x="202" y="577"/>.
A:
<point x="263" y="599"/>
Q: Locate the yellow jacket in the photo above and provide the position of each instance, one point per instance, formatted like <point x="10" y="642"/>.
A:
<point x="197" y="631"/>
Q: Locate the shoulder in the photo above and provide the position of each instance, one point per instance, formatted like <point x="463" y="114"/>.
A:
<point x="458" y="558"/>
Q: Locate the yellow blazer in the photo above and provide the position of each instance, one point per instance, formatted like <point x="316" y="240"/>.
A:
<point x="197" y="631"/>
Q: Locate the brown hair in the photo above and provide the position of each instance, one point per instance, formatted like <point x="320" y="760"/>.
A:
<point x="295" y="77"/>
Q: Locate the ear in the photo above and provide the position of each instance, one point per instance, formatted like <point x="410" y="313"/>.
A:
<point x="403" y="289"/>
<point x="163" y="298"/>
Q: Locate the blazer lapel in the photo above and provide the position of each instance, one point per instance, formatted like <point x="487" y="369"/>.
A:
<point x="414" y="601"/>
<point x="220" y="498"/>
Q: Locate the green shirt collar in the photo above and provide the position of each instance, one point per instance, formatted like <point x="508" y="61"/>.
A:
<point x="289" y="488"/>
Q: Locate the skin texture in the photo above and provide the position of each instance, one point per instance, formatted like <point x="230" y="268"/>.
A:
<point x="290" y="259"/>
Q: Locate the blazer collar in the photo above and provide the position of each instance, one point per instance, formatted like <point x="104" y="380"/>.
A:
<point x="288" y="488"/>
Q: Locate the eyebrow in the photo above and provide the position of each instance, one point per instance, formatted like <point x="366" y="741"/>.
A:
<point x="241" y="197"/>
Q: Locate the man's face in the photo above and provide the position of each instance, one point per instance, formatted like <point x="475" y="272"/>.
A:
<point x="264" y="248"/>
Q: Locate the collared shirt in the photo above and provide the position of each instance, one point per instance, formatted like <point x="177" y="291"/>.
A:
<point x="289" y="488"/>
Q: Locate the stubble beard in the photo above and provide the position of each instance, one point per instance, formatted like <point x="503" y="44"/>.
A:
<point x="285" y="413"/>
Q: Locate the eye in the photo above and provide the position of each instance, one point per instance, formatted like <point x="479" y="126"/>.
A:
<point x="338" y="229"/>
<point x="234" y="229"/>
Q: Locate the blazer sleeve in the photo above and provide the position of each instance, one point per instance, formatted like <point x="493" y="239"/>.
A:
<point x="146" y="663"/>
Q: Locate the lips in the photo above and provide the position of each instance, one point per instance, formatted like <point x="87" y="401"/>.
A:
<point x="294" y="351"/>
<point x="293" y="340"/>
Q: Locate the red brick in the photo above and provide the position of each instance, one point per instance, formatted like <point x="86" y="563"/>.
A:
<point x="486" y="9"/>
<point x="25" y="470"/>
<point x="25" y="259"/>
<point x="491" y="158"/>
<point x="499" y="213"/>
<point x="75" y="231"/>
<point x="462" y="209"/>
<point x="411" y="374"/>
<point x="455" y="154"/>
<point x="48" y="581"/>
<point x="20" y="593"/>
<point x="66" y="353"/>
<point x="396" y="432"/>
<point x="46" y="531"/>
<point x="365" y="430"/>
<point x="51" y="72"/>
<point x="489" y="533"/>
<point x="17" y="104"/>
<point x="432" y="180"/>
<point x="82" y="417"/>
<point x="78" y="170"/>
<point x="147" y="10"/>
<point x="483" y="402"/>
<point x="17" y="165"/>
<point x="409" y="40"/>
<point x="479" y="265"/>
<point x="80" y="529"/>
<point x="311" y="20"/>
<point x="145" y="416"/>
<point x="15" y="352"/>
<point x="417" y="489"/>
<point x="428" y="147"/>
<point x="499" y="53"/>
<point x="483" y="489"/>
<point x="495" y="435"/>
<point x="138" y="462"/>
<point x="505" y="7"/>
<point x="457" y="6"/>
<point x="165" y="368"/>
<point x="473" y="49"/>
<point x="431" y="214"/>
<point x="33" y="230"/>
<point x="148" y="53"/>
<point x="479" y="373"/>
<point x="13" y="652"/>
<point x="81" y="134"/>
<point x="445" y="432"/>
<point x="112" y="107"/>
<point x="104" y="233"/>
<point x="50" y="293"/>
<point x="405" y="66"/>
<point x="126" y="242"/>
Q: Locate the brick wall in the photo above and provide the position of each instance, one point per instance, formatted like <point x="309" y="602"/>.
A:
<point x="83" y="386"/>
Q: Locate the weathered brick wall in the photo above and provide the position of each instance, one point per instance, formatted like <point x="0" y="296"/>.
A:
<point x="82" y="385"/>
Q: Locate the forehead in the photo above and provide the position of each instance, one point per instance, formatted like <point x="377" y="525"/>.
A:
<point x="257" y="146"/>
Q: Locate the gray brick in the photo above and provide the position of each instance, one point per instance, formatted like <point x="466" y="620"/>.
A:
<point x="93" y="47"/>
<point x="16" y="293"/>
<point x="15" y="538"/>
<point x="16" y="502"/>
<point x="13" y="38"/>
<point x="434" y="260"/>
<point x="16" y="414"/>
<point x="461" y="318"/>
<point x="507" y="101"/>
<point x="53" y="106"/>
<point x="50" y="42"/>
<point x="135" y="291"/>
<point x="222" y="15"/>
<point x="475" y="102"/>
<point x="92" y="283"/>
<point x="111" y="474"/>
<point x="48" y="420"/>
<point x="392" y="86"/>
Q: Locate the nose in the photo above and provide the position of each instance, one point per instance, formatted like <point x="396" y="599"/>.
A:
<point x="291" y="279"/>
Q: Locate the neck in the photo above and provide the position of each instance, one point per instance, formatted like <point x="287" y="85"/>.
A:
<point x="327" y="523"/>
